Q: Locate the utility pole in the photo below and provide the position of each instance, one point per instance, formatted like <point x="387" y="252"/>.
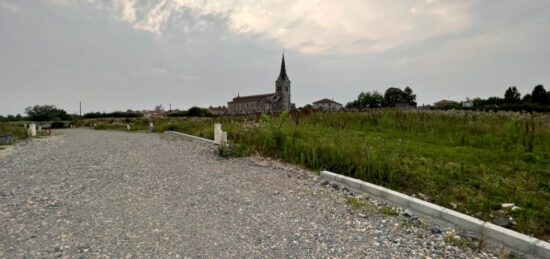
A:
<point x="80" y="112"/>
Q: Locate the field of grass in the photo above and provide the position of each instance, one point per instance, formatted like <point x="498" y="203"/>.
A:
<point x="472" y="160"/>
<point x="16" y="129"/>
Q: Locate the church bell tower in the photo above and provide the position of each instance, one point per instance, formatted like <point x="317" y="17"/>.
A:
<point x="282" y="86"/>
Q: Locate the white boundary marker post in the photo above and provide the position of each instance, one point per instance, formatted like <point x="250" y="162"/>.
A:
<point x="32" y="130"/>
<point x="217" y="133"/>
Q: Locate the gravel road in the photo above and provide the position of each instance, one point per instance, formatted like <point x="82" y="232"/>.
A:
<point x="86" y="193"/>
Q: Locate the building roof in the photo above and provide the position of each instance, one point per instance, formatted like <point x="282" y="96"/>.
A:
<point x="219" y="108"/>
<point x="259" y="97"/>
<point x="282" y="75"/>
<point x="445" y="102"/>
<point x="327" y="101"/>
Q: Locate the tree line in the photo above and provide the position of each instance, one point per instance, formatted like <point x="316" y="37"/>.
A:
<point x="40" y="113"/>
<point x="538" y="100"/>
<point x="392" y="97"/>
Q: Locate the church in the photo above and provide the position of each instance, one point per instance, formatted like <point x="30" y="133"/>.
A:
<point x="265" y="103"/>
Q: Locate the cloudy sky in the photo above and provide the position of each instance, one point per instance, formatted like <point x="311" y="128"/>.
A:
<point x="121" y="54"/>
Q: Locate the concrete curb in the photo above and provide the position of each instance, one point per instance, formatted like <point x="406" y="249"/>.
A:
<point x="209" y="141"/>
<point x="504" y="237"/>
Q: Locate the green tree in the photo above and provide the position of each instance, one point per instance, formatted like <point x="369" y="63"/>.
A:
<point x="46" y="113"/>
<point x="526" y="98"/>
<point x="540" y="96"/>
<point x="410" y="97"/>
<point x="198" y="112"/>
<point x="512" y="95"/>
<point x="392" y="96"/>
<point x="366" y="100"/>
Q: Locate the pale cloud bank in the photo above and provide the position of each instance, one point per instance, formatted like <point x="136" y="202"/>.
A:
<point x="345" y="26"/>
<point x="9" y="7"/>
<point x="120" y="54"/>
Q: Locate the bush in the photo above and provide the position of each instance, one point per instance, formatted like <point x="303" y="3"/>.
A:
<point x="57" y="125"/>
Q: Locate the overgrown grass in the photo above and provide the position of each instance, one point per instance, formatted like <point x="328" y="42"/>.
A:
<point x="476" y="160"/>
<point x="388" y="211"/>
<point x="457" y="241"/>
<point x="355" y="203"/>
<point x="16" y="129"/>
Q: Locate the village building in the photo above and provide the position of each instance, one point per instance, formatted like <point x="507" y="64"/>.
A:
<point x="154" y="114"/>
<point x="467" y="104"/>
<point x="327" y="105"/>
<point x="265" y="103"/>
<point x="445" y="103"/>
<point x="219" y="111"/>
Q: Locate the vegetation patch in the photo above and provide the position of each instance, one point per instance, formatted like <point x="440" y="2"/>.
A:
<point x="455" y="240"/>
<point x="355" y="203"/>
<point x="388" y="211"/>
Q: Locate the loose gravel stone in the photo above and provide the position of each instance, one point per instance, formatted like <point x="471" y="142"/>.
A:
<point x="86" y="193"/>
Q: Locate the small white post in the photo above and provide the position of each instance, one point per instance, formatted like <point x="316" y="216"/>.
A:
<point x="32" y="130"/>
<point x="128" y="127"/>
<point x="151" y="127"/>
<point x="217" y="133"/>
<point x="39" y="129"/>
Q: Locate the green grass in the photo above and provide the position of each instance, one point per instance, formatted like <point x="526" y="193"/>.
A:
<point x="16" y="129"/>
<point x="454" y="240"/>
<point x="388" y="211"/>
<point x="476" y="160"/>
<point x="355" y="203"/>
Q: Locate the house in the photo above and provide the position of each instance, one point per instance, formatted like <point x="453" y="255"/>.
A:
<point x="445" y="103"/>
<point x="218" y="111"/>
<point x="327" y="105"/>
<point x="154" y="114"/>
<point x="265" y="103"/>
<point x="467" y="104"/>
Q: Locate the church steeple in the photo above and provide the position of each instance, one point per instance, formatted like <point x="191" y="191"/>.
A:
<point x="282" y="74"/>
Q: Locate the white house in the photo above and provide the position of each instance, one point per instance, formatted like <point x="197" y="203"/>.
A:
<point x="327" y="105"/>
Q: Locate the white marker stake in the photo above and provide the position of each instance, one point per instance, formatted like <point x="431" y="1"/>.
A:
<point x="32" y="130"/>
<point x="217" y="133"/>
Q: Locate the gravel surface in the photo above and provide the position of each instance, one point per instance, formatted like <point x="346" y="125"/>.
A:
<point x="86" y="193"/>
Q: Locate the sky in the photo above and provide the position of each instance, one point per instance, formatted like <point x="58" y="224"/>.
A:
<point x="135" y="54"/>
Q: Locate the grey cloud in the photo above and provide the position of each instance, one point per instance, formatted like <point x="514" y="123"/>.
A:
<point x="76" y="51"/>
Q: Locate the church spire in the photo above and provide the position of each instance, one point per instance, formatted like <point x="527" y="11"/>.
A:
<point x="282" y="74"/>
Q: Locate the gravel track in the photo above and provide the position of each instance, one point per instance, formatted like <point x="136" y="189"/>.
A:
<point x="86" y="193"/>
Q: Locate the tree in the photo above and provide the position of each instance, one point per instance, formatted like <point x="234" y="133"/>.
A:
<point x="198" y="112"/>
<point x="159" y="108"/>
<point x="46" y="113"/>
<point x="526" y="98"/>
<point x="410" y="97"/>
<point x="540" y="96"/>
<point x="366" y="100"/>
<point x="392" y="96"/>
<point x="512" y="95"/>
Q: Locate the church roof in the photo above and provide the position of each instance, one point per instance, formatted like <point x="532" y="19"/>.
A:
<point x="259" y="97"/>
<point x="282" y="75"/>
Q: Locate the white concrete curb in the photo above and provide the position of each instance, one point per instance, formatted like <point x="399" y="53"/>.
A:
<point x="490" y="232"/>
<point x="189" y="136"/>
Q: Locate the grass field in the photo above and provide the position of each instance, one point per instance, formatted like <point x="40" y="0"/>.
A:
<point x="16" y="129"/>
<point x="468" y="161"/>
